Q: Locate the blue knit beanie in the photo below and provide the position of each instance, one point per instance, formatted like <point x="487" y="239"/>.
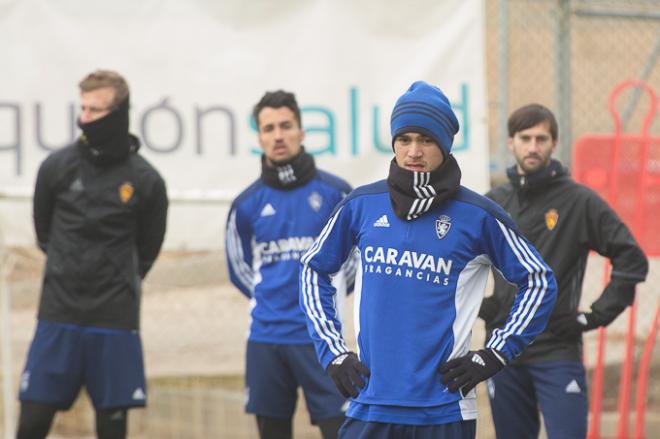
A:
<point x="425" y="109"/>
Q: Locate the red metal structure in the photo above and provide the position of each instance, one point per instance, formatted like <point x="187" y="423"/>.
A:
<point x="625" y="170"/>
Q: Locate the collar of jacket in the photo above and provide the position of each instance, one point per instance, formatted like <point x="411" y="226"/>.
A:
<point x="536" y="180"/>
<point x="107" y="156"/>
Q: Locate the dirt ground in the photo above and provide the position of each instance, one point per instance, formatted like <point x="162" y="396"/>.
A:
<point x="194" y="328"/>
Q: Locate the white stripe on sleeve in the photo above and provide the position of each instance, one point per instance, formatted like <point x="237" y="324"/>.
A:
<point x="235" y="251"/>
<point x="533" y="295"/>
<point x="323" y="326"/>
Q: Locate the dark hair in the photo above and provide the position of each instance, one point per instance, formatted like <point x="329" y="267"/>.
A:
<point x="105" y="78"/>
<point x="532" y="115"/>
<point x="277" y="99"/>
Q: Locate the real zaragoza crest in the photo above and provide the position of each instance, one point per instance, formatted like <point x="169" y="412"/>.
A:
<point x="551" y="218"/>
<point x="126" y="192"/>
<point x="442" y="226"/>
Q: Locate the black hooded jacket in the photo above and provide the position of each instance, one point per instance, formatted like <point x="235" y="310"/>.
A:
<point x="564" y="221"/>
<point x="101" y="226"/>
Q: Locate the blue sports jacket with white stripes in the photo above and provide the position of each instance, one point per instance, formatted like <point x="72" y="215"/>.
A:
<point x="418" y="289"/>
<point x="268" y="230"/>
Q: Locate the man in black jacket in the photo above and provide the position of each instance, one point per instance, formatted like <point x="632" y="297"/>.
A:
<point x="564" y="221"/>
<point x="99" y="213"/>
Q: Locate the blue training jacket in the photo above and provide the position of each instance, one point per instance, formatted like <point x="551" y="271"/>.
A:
<point x="268" y="230"/>
<point x="418" y="289"/>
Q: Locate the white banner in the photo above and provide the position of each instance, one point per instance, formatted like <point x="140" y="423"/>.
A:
<point x="196" y="68"/>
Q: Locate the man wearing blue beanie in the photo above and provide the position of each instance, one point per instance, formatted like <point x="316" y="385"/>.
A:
<point x="426" y="246"/>
<point x="425" y="109"/>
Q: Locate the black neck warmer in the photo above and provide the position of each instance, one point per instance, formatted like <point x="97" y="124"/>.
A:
<point x="107" y="140"/>
<point x="535" y="180"/>
<point x="414" y="193"/>
<point x="288" y="174"/>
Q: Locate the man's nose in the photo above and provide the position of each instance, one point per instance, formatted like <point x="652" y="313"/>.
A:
<point x="415" y="149"/>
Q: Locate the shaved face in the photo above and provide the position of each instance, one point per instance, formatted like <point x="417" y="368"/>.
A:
<point x="417" y="152"/>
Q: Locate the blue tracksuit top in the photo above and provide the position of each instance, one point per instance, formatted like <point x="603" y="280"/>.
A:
<point x="418" y="289"/>
<point x="268" y="230"/>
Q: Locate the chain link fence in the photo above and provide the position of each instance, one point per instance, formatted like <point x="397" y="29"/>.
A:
<point x="569" y="56"/>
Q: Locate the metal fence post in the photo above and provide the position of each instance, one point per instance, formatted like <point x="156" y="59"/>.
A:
<point x="503" y="87"/>
<point x="644" y="76"/>
<point x="563" y="79"/>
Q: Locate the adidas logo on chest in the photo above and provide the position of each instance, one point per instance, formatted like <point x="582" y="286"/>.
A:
<point x="268" y="210"/>
<point x="382" y="222"/>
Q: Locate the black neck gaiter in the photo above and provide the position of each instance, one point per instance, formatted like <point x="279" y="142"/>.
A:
<point x="414" y="193"/>
<point x="107" y="140"/>
<point x="288" y="174"/>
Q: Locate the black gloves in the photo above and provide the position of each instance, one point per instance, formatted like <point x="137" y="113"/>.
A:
<point x="345" y="371"/>
<point x="572" y="325"/>
<point x="464" y="373"/>
<point x="618" y="295"/>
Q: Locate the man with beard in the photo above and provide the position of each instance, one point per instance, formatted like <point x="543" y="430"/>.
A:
<point x="99" y="213"/>
<point x="565" y="221"/>
<point x="270" y="225"/>
<point x="426" y="245"/>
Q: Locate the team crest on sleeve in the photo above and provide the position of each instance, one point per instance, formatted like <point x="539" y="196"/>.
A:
<point x="551" y="218"/>
<point x="126" y="191"/>
<point x="442" y="226"/>
<point x="315" y="201"/>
